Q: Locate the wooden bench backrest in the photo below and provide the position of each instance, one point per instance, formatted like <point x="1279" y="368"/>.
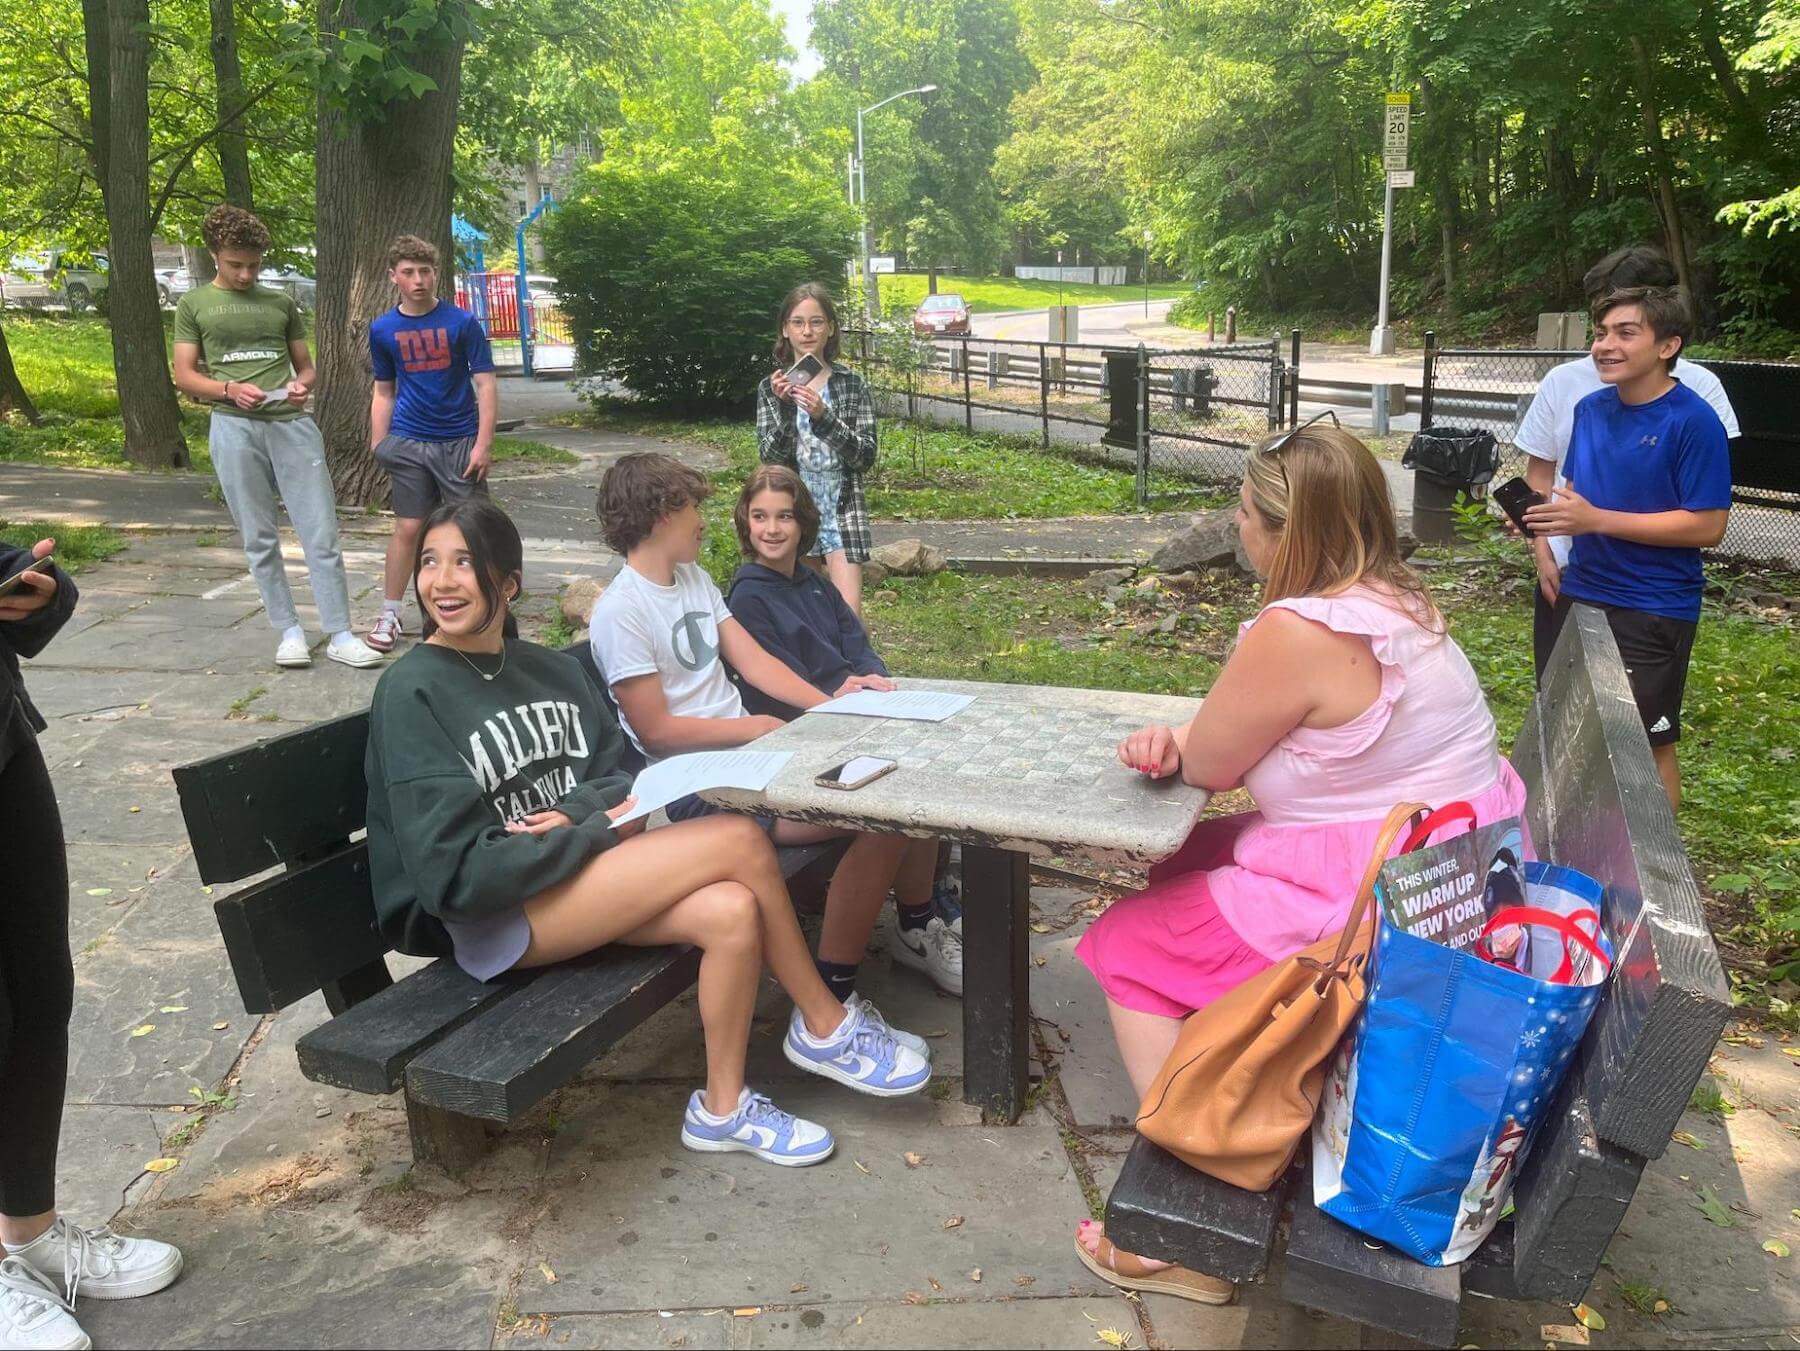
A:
<point x="292" y="802"/>
<point x="1597" y="804"/>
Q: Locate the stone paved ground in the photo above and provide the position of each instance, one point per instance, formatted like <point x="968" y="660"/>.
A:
<point x="589" y="1225"/>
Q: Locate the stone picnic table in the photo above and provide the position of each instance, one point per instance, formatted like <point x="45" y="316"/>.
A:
<point x="1025" y="769"/>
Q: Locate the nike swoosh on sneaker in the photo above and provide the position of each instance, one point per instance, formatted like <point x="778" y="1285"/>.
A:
<point x="760" y="1136"/>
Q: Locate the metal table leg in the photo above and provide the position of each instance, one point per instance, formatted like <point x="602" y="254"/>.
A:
<point x="996" y="993"/>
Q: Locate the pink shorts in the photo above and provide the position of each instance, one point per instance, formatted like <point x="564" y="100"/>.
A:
<point x="1167" y="950"/>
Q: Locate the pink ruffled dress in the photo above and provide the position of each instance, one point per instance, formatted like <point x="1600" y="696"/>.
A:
<point x="1247" y="891"/>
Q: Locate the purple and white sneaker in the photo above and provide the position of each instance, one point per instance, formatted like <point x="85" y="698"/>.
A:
<point x="758" y="1127"/>
<point x="862" y="1054"/>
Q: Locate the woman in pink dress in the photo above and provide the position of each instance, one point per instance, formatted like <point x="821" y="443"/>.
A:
<point x="1343" y="696"/>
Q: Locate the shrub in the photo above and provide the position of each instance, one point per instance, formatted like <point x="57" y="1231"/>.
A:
<point x="672" y="271"/>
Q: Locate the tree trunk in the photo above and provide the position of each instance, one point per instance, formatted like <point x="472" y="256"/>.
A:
<point x="118" y="50"/>
<point x="931" y="274"/>
<point x="375" y="179"/>
<point x="228" y="77"/>
<point x="13" y="398"/>
<point x="1651" y="120"/>
<point x="199" y="263"/>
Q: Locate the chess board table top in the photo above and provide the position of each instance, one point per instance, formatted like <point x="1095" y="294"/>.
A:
<point x="1024" y="767"/>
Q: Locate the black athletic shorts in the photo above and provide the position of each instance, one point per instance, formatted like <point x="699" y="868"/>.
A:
<point x="1654" y="648"/>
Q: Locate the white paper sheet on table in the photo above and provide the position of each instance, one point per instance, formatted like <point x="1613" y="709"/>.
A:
<point x="911" y="705"/>
<point x="679" y="775"/>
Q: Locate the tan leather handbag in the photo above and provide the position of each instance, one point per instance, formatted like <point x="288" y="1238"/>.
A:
<point x="1238" y="1092"/>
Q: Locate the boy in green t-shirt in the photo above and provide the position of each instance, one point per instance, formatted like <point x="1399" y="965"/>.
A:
<point x="241" y="348"/>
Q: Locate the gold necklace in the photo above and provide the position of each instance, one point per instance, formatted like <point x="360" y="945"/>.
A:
<point x="476" y="669"/>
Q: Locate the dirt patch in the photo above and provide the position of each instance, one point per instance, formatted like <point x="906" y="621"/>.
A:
<point x="526" y="1216"/>
<point x="400" y="1209"/>
<point x="303" y="1182"/>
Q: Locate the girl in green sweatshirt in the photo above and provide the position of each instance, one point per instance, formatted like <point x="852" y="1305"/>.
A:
<point x="494" y="780"/>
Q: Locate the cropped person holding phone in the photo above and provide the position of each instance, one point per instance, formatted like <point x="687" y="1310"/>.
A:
<point x="46" y="1261"/>
<point x="818" y="418"/>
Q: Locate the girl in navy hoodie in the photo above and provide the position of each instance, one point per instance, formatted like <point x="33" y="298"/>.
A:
<point x="800" y="617"/>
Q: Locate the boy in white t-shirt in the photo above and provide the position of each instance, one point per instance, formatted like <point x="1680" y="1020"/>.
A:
<point x="1548" y="424"/>
<point x="662" y="636"/>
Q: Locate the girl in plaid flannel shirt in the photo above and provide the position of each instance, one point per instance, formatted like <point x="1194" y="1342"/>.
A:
<point x="823" y="429"/>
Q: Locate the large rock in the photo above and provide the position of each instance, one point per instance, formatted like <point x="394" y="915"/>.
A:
<point x="873" y="575"/>
<point x="578" y="600"/>
<point x="910" y="558"/>
<point x="1211" y="541"/>
<point x="1106" y="579"/>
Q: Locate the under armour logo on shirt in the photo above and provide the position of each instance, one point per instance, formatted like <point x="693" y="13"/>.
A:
<point x="1661" y="724"/>
<point x="424" y="349"/>
<point x="700" y="651"/>
<point x="1648" y="441"/>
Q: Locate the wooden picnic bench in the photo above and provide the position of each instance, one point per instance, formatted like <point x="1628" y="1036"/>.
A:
<point x="469" y="1056"/>
<point x="1596" y="804"/>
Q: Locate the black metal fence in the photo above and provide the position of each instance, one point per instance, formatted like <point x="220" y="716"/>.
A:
<point x="1162" y="414"/>
<point x="1467" y="387"/>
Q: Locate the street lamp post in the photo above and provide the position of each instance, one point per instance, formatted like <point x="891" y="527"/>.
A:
<point x="1147" y="238"/>
<point x="871" y="302"/>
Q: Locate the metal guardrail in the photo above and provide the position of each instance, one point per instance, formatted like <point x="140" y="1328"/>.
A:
<point x="1189" y="413"/>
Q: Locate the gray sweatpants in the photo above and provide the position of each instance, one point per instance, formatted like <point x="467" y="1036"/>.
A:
<point x="255" y="460"/>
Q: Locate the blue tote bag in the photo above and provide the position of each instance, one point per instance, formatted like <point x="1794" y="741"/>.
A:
<point x="1433" y="1096"/>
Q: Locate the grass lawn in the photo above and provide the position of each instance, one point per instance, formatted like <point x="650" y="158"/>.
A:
<point x="941" y="474"/>
<point x="987" y="295"/>
<point x="513" y="449"/>
<point x="76" y="545"/>
<point x="1740" y="816"/>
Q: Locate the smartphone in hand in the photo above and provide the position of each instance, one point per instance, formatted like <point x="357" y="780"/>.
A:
<point x="1516" y="497"/>
<point x="14" y="582"/>
<point x="805" y="370"/>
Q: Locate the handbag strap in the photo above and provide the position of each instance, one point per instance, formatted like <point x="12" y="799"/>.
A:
<point x="1365" y="894"/>
<point x="1567" y="927"/>
<point x="1437" y="820"/>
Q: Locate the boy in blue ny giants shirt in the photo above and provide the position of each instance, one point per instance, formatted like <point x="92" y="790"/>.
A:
<point x="1649" y="487"/>
<point x="431" y="418"/>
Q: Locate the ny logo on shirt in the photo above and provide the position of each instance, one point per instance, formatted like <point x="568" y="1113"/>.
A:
<point x="424" y="349"/>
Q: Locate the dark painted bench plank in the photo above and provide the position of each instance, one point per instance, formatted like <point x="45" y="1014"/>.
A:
<point x="503" y="1061"/>
<point x="1162" y="1208"/>
<point x="1598" y="805"/>
<point x="1571" y="1196"/>
<point x="264" y="805"/>
<point x="1490" y="1271"/>
<point x="367" y="1048"/>
<point x="1332" y="1268"/>
<point x="295" y="932"/>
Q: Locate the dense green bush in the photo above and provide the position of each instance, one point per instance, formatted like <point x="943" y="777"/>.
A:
<point x="672" y="270"/>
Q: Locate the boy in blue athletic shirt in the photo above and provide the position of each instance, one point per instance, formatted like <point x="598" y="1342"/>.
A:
<point x="1649" y="487"/>
<point x="431" y="418"/>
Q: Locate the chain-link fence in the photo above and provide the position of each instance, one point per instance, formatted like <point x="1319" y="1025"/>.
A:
<point x="1493" y="389"/>
<point x="1187" y="415"/>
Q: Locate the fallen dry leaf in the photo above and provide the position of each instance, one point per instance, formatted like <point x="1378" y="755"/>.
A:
<point x="1589" y="1318"/>
<point x="859" y="1167"/>
<point x="936" y="1284"/>
<point x="913" y="1160"/>
<point x="1023" y="1281"/>
<point x="1113" y="1337"/>
<point x="144" y="1030"/>
<point x="749" y="1312"/>
<point x="797" y="1288"/>
<point x="99" y="891"/>
<point x="1572" y="1333"/>
<point x="550" y="1277"/>
<point x="975" y="1275"/>
<point x="1776" y="1248"/>
<point x="220" y="1027"/>
<point x="1661" y="1306"/>
<point x="161" y="1165"/>
<point x="913" y="1297"/>
<point x="173" y="1008"/>
<point x="954" y="1222"/>
<point x="1689" y="1139"/>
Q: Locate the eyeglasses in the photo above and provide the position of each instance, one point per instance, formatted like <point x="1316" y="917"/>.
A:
<point x="808" y="325"/>
<point x="1281" y="443"/>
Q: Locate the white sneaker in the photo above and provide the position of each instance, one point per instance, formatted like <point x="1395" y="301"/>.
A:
<point x="33" y="1317"/>
<point x="872" y="1016"/>
<point x="937" y="950"/>
<point x="99" y="1263"/>
<point x="352" y="651"/>
<point x="386" y="631"/>
<point x="293" y="650"/>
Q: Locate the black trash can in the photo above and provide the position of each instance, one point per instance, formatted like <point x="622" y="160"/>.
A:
<point x="1446" y="461"/>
